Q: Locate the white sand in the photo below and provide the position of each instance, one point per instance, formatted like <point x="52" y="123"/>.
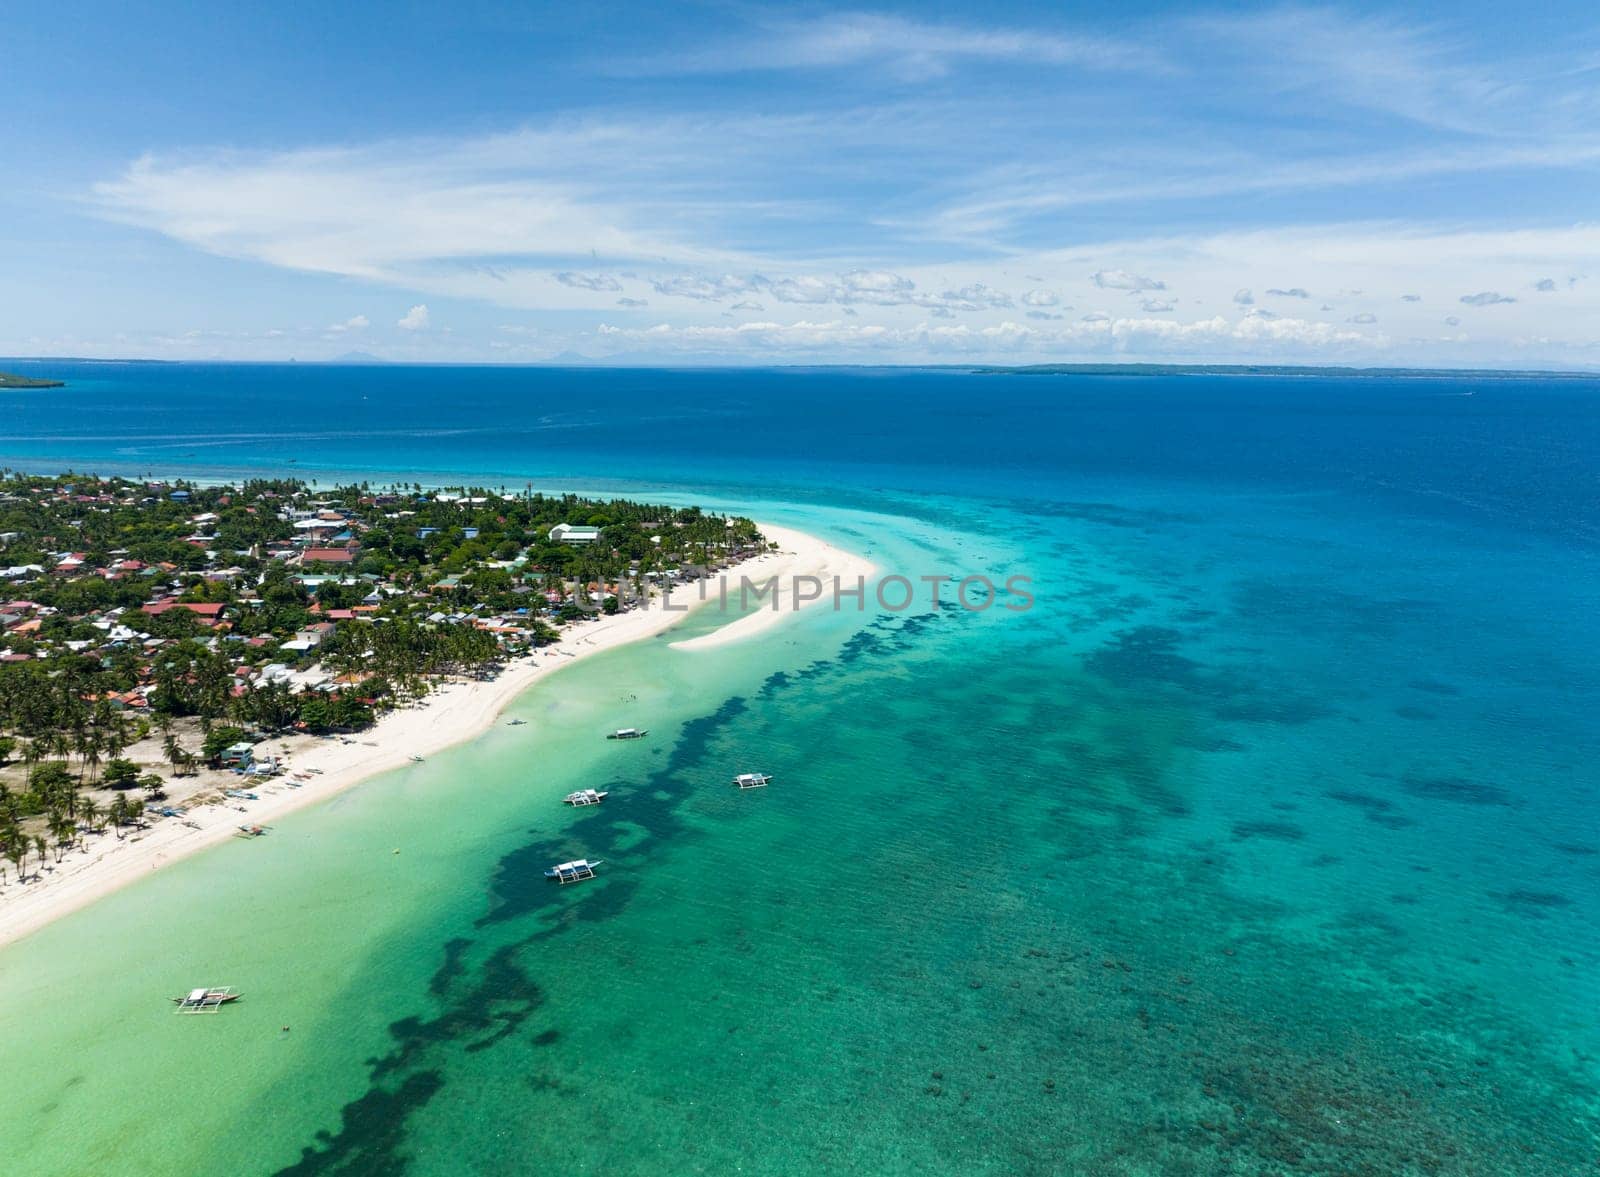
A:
<point x="451" y="714"/>
<point x="799" y="556"/>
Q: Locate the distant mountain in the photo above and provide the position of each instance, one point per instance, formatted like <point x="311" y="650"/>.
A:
<point x="357" y="357"/>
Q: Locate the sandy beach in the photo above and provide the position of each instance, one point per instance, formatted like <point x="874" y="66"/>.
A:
<point x="451" y="714"/>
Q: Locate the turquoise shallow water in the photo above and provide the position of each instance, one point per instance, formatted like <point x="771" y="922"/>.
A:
<point x="1265" y="843"/>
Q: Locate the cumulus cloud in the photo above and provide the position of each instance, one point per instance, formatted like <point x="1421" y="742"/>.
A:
<point x="1095" y="334"/>
<point x="701" y="288"/>
<point x="354" y="323"/>
<point x="1485" y="298"/>
<point x="1122" y="280"/>
<point x="1155" y="305"/>
<point x="1243" y="297"/>
<point x="632" y="302"/>
<point x="1364" y="317"/>
<point x="975" y="297"/>
<point x="416" y="319"/>
<point x="1411" y="298"/>
<point x="1292" y="292"/>
<point x="1545" y="285"/>
<point x="588" y="281"/>
<point x="1040" y="298"/>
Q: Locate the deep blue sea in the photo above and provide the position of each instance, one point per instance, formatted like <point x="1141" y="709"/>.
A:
<point x="1267" y="841"/>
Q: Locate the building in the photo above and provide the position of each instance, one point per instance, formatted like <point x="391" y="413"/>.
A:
<point x="239" y="755"/>
<point x="567" y="533"/>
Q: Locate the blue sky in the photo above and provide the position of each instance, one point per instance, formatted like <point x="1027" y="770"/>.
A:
<point x="753" y="184"/>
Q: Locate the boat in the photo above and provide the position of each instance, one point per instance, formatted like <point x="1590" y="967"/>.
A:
<point x="573" y="872"/>
<point x="251" y="831"/>
<point x="752" y="780"/>
<point x="629" y="733"/>
<point x="206" y="1001"/>
<point x="516" y="722"/>
<point x="416" y="760"/>
<point x="585" y="797"/>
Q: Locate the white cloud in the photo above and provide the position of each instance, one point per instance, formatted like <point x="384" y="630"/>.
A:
<point x="903" y="48"/>
<point x="1545" y="285"/>
<point x="1243" y="297"/>
<point x="1155" y="305"/>
<point x="1094" y="335"/>
<point x="1040" y="298"/>
<point x="1411" y="298"/>
<point x="1292" y="292"/>
<point x="702" y="289"/>
<point x="416" y="319"/>
<point x="747" y="305"/>
<point x="354" y="323"/>
<point x="1364" y="317"/>
<point x="1486" y="298"/>
<point x="1122" y="280"/>
<point x="632" y="302"/>
<point x="588" y="281"/>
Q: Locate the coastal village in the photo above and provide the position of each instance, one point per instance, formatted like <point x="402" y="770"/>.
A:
<point x="160" y="640"/>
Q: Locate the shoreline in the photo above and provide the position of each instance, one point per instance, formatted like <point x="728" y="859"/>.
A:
<point x="452" y="713"/>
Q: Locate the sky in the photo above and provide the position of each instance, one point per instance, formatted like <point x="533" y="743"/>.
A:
<point x="489" y="181"/>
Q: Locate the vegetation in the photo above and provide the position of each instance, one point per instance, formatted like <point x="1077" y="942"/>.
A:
<point x="205" y="616"/>
<point x="12" y="380"/>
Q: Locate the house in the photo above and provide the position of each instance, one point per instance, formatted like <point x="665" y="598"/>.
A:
<point x="330" y="556"/>
<point x="567" y="533"/>
<point x="240" y="755"/>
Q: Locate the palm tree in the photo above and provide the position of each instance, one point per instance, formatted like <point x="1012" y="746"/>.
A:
<point x="63" y="831"/>
<point x="119" y="814"/>
<point x="89" y="811"/>
<point x="40" y="848"/>
<point x="172" y="749"/>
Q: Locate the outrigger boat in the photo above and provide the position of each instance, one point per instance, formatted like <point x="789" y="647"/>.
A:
<point x="205" y="1001"/>
<point x="573" y="872"/>
<point x="629" y="733"/>
<point x="515" y="722"/>
<point x="752" y="780"/>
<point x="416" y="760"/>
<point x="585" y="797"/>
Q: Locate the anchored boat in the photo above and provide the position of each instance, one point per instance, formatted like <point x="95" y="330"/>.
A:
<point x="586" y="797"/>
<point x="629" y="733"/>
<point x="752" y="780"/>
<point x="205" y="1001"/>
<point x="573" y="872"/>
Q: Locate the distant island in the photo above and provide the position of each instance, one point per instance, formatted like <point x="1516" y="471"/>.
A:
<point x="1274" y="370"/>
<point x="12" y="380"/>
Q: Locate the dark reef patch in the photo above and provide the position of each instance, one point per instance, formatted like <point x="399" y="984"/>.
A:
<point x="1281" y="831"/>
<point x="1452" y="788"/>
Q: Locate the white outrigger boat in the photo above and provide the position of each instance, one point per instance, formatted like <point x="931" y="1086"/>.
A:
<point x="752" y="780"/>
<point x="585" y="797"/>
<point x="205" y="1001"/>
<point x="629" y="733"/>
<point x="573" y="872"/>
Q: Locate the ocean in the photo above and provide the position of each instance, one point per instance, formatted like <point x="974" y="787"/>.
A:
<point x="1264" y="842"/>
